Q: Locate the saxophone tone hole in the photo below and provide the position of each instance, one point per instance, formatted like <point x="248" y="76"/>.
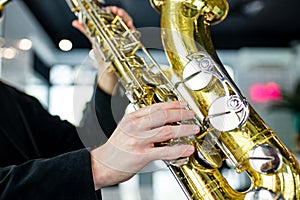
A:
<point x="265" y="159"/>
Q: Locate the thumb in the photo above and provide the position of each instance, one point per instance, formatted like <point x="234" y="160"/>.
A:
<point x="79" y="26"/>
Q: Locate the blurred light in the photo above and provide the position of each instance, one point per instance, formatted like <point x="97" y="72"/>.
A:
<point x="253" y="7"/>
<point x="8" y="52"/>
<point x="263" y="93"/>
<point x="25" y="44"/>
<point x="65" y="45"/>
<point x="61" y="75"/>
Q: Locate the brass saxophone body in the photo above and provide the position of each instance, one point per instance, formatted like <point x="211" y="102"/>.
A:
<point x="230" y="128"/>
<point x="242" y="136"/>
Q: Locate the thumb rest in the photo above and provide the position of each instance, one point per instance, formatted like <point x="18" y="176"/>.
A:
<point x="230" y="127"/>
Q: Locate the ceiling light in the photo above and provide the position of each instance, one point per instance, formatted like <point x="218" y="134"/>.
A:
<point x="8" y="52"/>
<point x="25" y="44"/>
<point x="252" y="8"/>
<point x="65" y="45"/>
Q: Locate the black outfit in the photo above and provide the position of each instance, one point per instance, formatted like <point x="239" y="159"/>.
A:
<point x="41" y="156"/>
<point x="101" y="116"/>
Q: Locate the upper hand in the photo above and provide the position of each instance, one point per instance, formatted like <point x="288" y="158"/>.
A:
<point x="123" y="14"/>
<point x="115" y="10"/>
<point x="106" y="81"/>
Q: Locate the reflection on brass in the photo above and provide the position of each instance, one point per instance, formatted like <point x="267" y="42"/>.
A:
<point x="230" y="128"/>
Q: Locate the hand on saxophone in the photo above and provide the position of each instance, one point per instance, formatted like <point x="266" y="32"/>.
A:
<point x="123" y="14"/>
<point x="115" y="10"/>
<point x="107" y="81"/>
<point x="131" y="146"/>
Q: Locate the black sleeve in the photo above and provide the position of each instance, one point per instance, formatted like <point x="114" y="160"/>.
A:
<point x="101" y="116"/>
<point x="91" y="130"/>
<point x="51" y="135"/>
<point x="67" y="176"/>
<point x="110" y="109"/>
<point x="28" y="131"/>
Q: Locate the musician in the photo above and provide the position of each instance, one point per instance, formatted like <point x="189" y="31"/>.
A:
<point x="43" y="157"/>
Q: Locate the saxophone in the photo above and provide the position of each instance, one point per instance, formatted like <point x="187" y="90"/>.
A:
<point x="2" y="5"/>
<point x="230" y="127"/>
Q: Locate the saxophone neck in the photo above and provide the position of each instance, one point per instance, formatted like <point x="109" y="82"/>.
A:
<point x="202" y="37"/>
<point x="214" y="11"/>
<point x="189" y="21"/>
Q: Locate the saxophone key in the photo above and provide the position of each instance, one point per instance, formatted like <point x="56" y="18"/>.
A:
<point x="265" y="159"/>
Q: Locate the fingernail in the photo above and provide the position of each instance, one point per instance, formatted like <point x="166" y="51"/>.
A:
<point x="196" y="129"/>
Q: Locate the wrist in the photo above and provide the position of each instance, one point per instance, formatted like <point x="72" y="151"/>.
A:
<point x="98" y="171"/>
<point x="107" y="82"/>
<point x="104" y="170"/>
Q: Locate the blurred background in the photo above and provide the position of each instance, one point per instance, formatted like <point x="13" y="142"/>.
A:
<point x="258" y="42"/>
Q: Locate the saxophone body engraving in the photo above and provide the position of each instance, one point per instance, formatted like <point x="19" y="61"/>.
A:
<point x="231" y="129"/>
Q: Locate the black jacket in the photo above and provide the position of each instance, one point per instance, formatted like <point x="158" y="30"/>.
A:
<point x="41" y="156"/>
